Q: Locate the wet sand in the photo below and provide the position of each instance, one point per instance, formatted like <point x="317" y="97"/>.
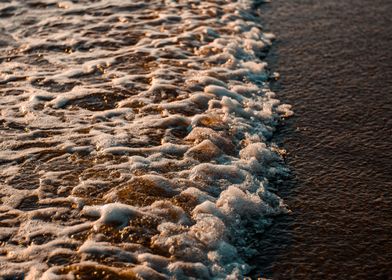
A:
<point x="336" y="66"/>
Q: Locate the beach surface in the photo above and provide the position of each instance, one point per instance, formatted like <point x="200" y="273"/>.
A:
<point x="336" y="70"/>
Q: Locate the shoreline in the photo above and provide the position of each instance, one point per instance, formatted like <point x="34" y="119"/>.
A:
<point x="335" y="71"/>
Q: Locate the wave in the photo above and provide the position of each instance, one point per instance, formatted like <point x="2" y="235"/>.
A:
<point x="136" y="139"/>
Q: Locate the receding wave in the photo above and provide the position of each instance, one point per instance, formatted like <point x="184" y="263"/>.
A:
<point x="135" y="139"/>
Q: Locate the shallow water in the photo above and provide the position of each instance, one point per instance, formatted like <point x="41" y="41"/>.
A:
<point x="135" y="139"/>
<point x="336" y="66"/>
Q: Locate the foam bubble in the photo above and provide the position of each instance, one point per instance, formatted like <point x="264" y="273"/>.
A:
<point x="135" y="139"/>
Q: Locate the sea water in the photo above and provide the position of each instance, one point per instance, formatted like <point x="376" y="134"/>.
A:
<point x="135" y="138"/>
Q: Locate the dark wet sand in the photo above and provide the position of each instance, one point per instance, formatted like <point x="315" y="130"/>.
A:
<point x="335" y="59"/>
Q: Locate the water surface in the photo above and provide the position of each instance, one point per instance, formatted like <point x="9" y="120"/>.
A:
<point x="336" y="66"/>
<point x="135" y="139"/>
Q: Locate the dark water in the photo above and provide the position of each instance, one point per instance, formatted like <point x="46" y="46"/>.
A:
<point x="335" y="59"/>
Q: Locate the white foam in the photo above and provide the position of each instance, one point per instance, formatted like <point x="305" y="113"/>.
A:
<point x="113" y="213"/>
<point x="135" y="138"/>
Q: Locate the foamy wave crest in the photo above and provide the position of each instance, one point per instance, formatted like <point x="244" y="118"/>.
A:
<point x="135" y="139"/>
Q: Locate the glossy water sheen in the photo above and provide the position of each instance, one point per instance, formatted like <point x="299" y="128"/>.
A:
<point x="335" y="61"/>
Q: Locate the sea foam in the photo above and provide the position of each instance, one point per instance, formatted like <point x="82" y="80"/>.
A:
<point x="135" y="138"/>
